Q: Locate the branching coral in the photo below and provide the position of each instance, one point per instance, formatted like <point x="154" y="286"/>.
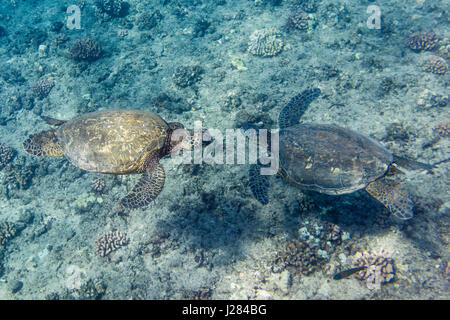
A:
<point x="423" y="40"/>
<point x="6" y="154"/>
<point x="436" y="65"/>
<point x="265" y="42"/>
<point x="42" y="88"/>
<point x="85" y="49"/>
<point x="109" y="242"/>
<point x="379" y="268"/>
<point x="7" y="232"/>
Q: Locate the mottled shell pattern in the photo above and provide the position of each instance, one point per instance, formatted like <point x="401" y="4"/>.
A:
<point x="330" y="159"/>
<point x="112" y="141"/>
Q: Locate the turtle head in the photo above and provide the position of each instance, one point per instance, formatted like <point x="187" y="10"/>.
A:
<point x="184" y="139"/>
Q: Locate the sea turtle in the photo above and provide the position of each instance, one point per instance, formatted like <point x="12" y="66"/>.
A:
<point x="119" y="141"/>
<point x="333" y="160"/>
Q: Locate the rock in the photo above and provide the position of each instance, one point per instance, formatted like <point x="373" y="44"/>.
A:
<point x="15" y="286"/>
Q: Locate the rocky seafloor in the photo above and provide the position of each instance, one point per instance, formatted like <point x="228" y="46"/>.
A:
<point x="225" y="63"/>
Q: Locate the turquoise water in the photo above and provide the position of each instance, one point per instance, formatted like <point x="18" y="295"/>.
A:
<point x="380" y="67"/>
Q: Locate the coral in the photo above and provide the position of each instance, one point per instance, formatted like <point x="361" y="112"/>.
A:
<point x="379" y="268"/>
<point x="6" y="154"/>
<point x="93" y="289"/>
<point x="200" y="27"/>
<point x="42" y="88"/>
<point x="304" y="256"/>
<point x="60" y="39"/>
<point x="85" y="49"/>
<point x="109" y="242"/>
<point x="396" y="132"/>
<point x="148" y="20"/>
<point x="265" y="42"/>
<point x="98" y="185"/>
<point x="307" y="5"/>
<point x="185" y="76"/>
<point x="113" y="8"/>
<point x="7" y="232"/>
<point x="442" y="128"/>
<point x="201" y="294"/>
<point x="423" y="40"/>
<point x="298" y="19"/>
<point x="436" y="65"/>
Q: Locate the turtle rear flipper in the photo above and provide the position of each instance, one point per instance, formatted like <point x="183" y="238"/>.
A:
<point x="394" y="196"/>
<point x="411" y="164"/>
<point x="147" y="188"/>
<point x="259" y="184"/>
<point x="53" y="121"/>
<point x="43" y="144"/>
<point x="291" y="113"/>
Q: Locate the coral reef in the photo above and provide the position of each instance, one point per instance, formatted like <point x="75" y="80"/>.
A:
<point x="93" y="289"/>
<point x="436" y="65"/>
<point x="98" y="185"/>
<point x="113" y="8"/>
<point x="423" y="40"/>
<point x="379" y="268"/>
<point x="299" y="255"/>
<point x="185" y="76"/>
<point x="298" y="19"/>
<point x="60" y="39"/>
<point x="7" y="232"/>
<point x="148" y="20"/>
<point x="442" y="128"/>
<point x="85" y="49"/>
<point x="42" y="88"/>
<point x="18" y="174"/>
<point x="265" y="42"/>
<point x="6" y="154"/>
<point x="109" y="242"/>
<point x="313" y="250"/>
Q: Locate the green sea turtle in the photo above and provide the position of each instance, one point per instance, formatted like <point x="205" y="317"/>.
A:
<point x="119" y="141"/>
<point x="333" y="160"/>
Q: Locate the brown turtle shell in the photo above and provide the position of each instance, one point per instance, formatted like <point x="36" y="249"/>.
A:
<point x="112" y="141"/>
<point x="330" y="159"/>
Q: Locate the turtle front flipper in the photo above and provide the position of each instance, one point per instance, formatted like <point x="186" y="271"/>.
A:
<point x="146" y="190"/>
<point x="292" y="112"/>
<point x="394" y="196"/>
<point x="259" y="184"/>
<point x="43" y="144"/>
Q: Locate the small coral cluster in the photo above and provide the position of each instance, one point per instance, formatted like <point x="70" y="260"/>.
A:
<point x="304" y="256"/>
<point x="98" y="185"/>
<point x="85" y="49"/>
<point x="148" y="20"/>
<point x="6" y="154"/>
<point x="265" y="42"/>
<point x="379" y="268"/>
<point x="442" y="128"/>
<point x="42" y="88"/>
<point x="185" y="76"/>
<point x="436" y="65"/>
<point x="423" y="40"/>
<point x="298" y="19"/>
<point x="114" y="8"/>
<point x="18" y="174"/>
<point x="7" y="232"/>
<point x="109" y="242"/>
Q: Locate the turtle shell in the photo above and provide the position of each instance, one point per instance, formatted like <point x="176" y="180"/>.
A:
<point x="112" y="141"/>
<point x="330" y="159"/>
